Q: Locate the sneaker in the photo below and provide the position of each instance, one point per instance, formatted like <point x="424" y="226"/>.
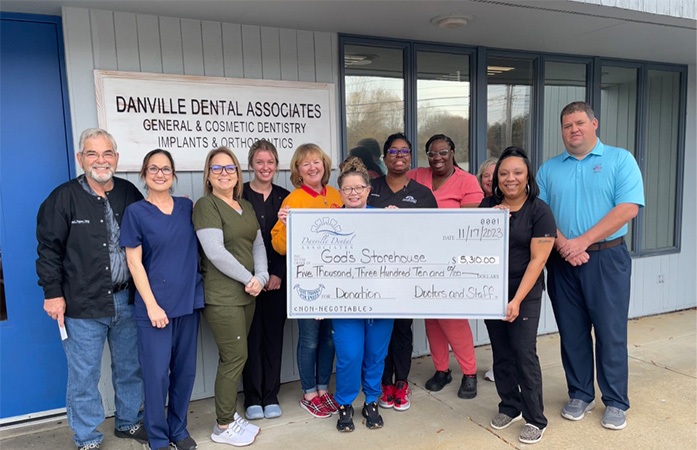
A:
<point x="387" y="398"/>
<point x="272" y="411"/>
<point x="439" y="380"/>
<point x="614" y="418"/>
<point x="234" y="435"/>
<point x="401" y="396"/>
<point x="501" y="421"/>
<point x="90" y="446"/>
<point x="185" y="444"/>
<point x="136" y="432"/>
<point x="345" y="422"/>
<point x="315" y="407"/>
<point x="489" y="375"/>
<point x="373" y="419"/>
<point x="254" y="412"/>
<point x="468" y="387"/>
<point x="329" y="403"/>
<point x="576" y="409"/>
<point x="530" y="434"/>
<point x="246" y="425"/>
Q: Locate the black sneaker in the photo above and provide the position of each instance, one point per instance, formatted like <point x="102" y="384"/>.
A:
<point x="468" y="388"/>
<point x="439" y="380"/>
<point x="136" y="432"/>
<point x="185" y="444"/>
<point x="345" y="422"/>
<point x="373" y="419"/>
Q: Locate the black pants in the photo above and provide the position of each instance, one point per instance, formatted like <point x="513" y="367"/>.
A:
<point x="517" y="372"/>
<point x="398" y="360"/>
<point x="262" y="372"/>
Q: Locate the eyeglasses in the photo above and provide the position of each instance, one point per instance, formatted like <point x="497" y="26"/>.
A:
<point x="442" y="153"/>
<point x="166" y="170"/>
<point x="358" y="189"/>
<point x="218" y="169"/>
<point x="399" y="151"/>
<point x="90" y="154"/>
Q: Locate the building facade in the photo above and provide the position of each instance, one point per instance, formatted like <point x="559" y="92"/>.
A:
<point x="486" y="91"/>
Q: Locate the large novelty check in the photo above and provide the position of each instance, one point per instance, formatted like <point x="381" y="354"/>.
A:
<point x="379" y="263"/>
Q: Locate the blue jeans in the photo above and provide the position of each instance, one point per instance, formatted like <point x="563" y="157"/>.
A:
<point x="315" y="354"/>
<point x="83" y="351"/>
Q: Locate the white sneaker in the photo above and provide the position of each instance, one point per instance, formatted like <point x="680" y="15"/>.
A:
<point x="246" y="425"/>
<point x="489" y="375"/>
<point x="234" y="435"/>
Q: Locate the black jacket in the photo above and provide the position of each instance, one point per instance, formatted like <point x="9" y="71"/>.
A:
<point x="73" y="247"/>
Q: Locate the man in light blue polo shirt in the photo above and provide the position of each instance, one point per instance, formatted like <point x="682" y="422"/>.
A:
<point x="594" y="190"/>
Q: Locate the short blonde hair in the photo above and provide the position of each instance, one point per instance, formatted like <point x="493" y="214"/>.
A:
<point x="490" y="161"/>
<point x="303" y="152"/>
<point x="207" y="188"/>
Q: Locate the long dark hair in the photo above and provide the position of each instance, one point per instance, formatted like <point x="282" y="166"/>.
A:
<point x="532" y="188"/>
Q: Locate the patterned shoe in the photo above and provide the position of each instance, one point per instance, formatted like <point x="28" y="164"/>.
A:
<point x="329" y="403"/>
<point x="530" y="434"/>
<point x="315" y="407"/>
<point x="501" y="421"/>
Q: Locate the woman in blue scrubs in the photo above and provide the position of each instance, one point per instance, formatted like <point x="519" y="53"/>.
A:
<point x="162" y="255"/>
<point x="361" y="344"/>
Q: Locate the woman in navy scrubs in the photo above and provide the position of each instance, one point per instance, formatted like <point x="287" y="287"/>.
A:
<point x="162" y="254"/>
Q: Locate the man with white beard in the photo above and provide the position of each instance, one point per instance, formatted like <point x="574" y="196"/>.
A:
<point x="88" y="289"/>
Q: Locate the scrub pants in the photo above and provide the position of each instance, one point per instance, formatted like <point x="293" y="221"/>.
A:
<point x="457" y="334"/>
<point x="361" y="347"/>
<point x="517" y="372"/>
<point x="594" y="295"/>
<point x="229" y="325"/>
<point x="168" y="358"/>
<point x="262" y="372"/>
<point x="398" y="360"/>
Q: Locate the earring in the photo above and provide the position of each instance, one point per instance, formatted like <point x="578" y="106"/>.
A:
<point x="527" y="188"/>
<point x="497" y="192"/>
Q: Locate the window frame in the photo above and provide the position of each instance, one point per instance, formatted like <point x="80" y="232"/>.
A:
<point x="478" y="57"/>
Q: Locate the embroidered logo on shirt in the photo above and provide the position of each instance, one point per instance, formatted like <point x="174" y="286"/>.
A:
<point x="597" y="168"/>
<point x="409" y="199"/>
<point x="79" y="221"/>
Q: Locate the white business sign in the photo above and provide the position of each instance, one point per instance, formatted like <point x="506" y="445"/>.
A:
<point x="191" y="115"/>
<point x="378" y="263"/>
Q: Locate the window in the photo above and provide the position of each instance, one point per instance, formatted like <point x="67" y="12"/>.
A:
<point x="509" y="96"/>
<point x="661" y="167"/>
<point x="564" y="83"/>
<point x="443" y="103"/>
<point x="503" y="98"/>
<point x="374" y="96"/>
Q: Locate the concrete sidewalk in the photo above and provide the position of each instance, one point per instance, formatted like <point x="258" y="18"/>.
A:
<point x="662" y="388"/>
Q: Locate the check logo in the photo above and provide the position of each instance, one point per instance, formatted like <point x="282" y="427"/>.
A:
<point x="309" y="295"/>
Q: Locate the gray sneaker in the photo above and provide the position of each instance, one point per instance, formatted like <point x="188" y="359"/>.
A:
<point x="614" y="418"/>
<point x="576" y="409"/>
<point x="530" y="434"/>
<point x="501" y="421"/>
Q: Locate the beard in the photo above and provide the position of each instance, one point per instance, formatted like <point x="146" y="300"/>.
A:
<point x="100" y="177"/>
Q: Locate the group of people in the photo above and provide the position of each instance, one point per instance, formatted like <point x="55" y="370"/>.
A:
<point x="110" y="272"/>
